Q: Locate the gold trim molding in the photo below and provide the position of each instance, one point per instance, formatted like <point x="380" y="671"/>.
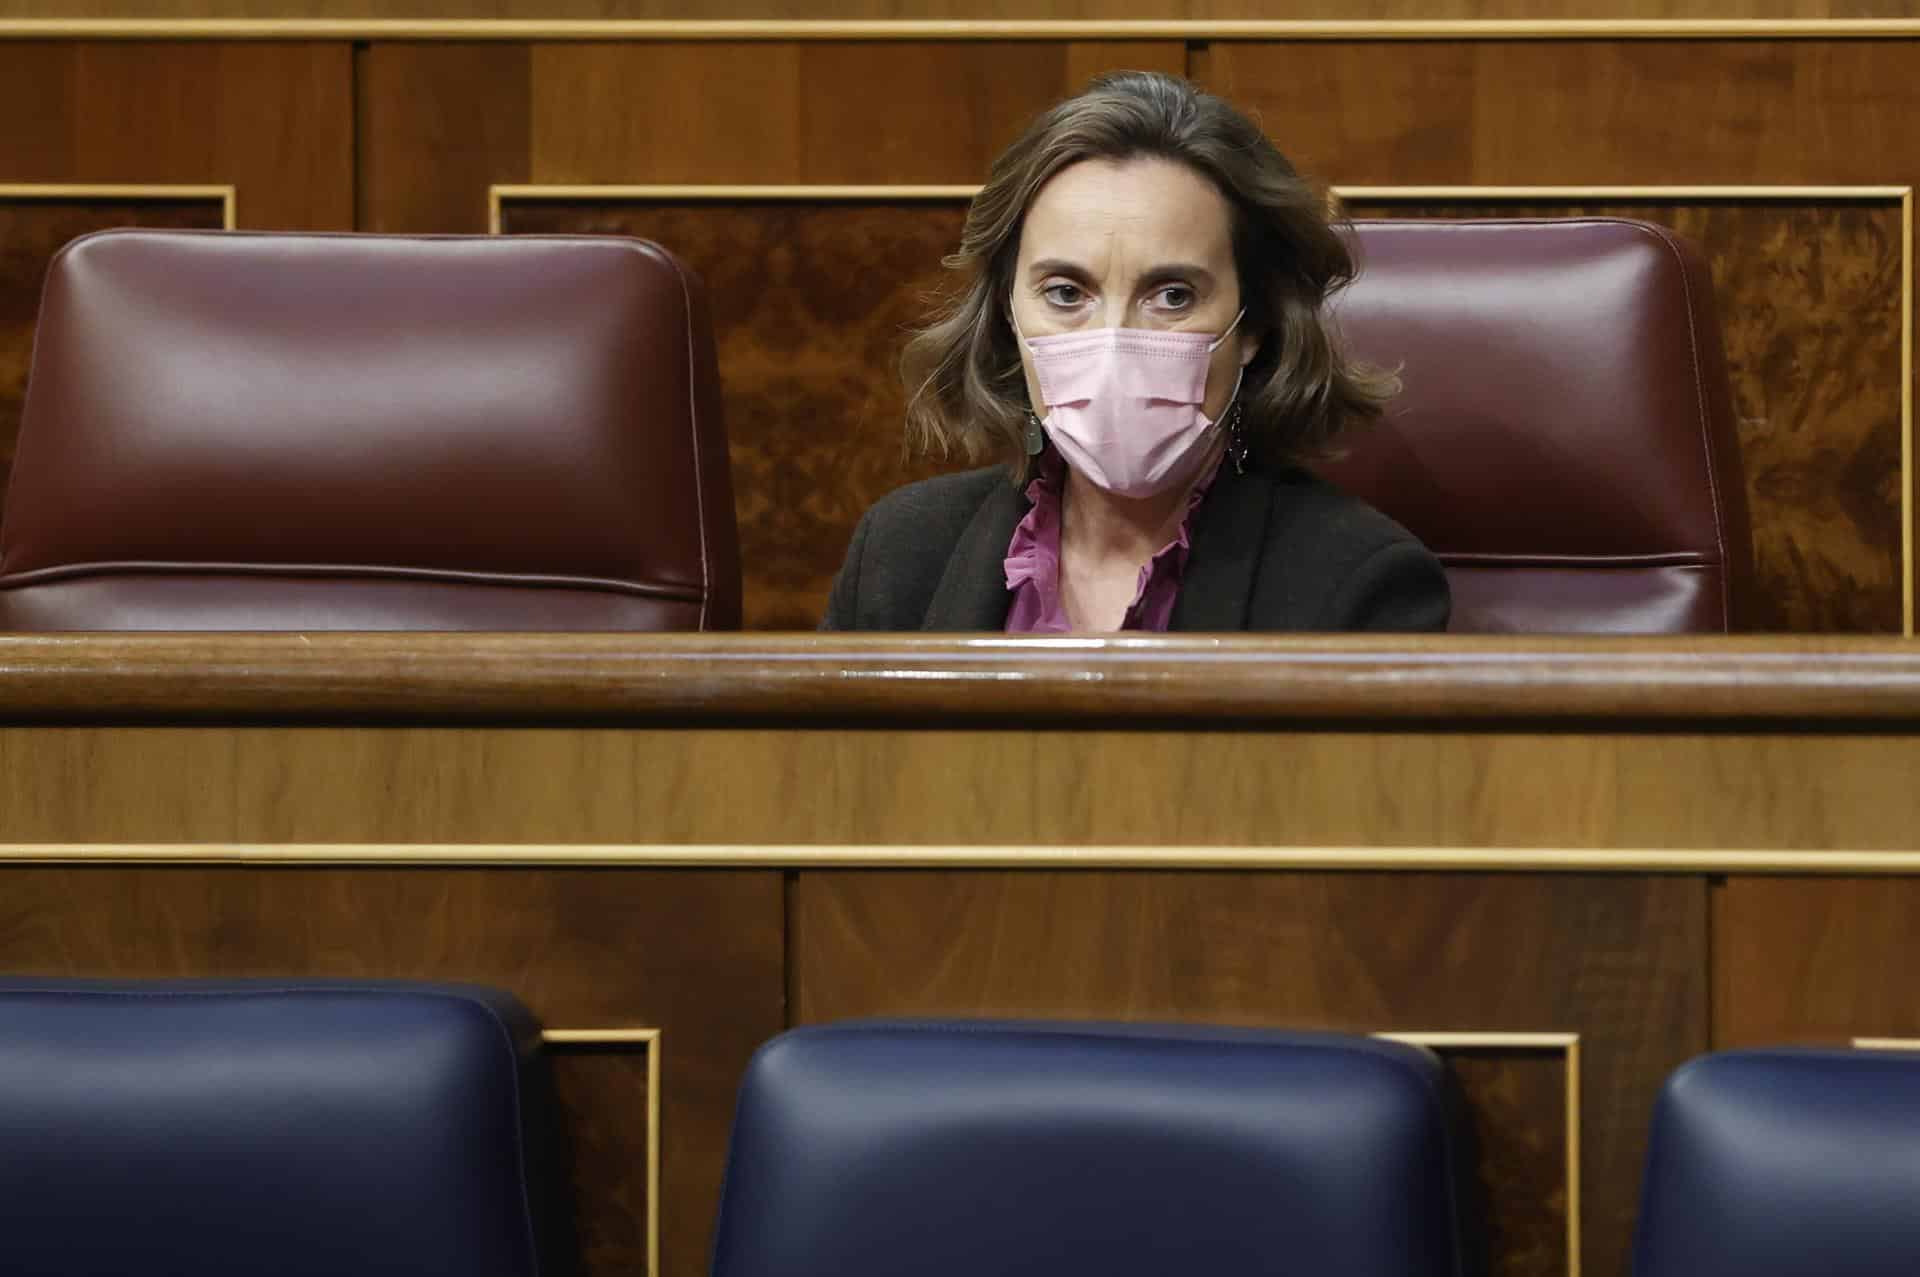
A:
<point x="228" y="195"/>
<point x="1886" y="1044"/>
<point x="683" y="30"/>
<point x="498" y="195"/>
<point x="1567" y="1045"/>
<point x="648" y="1040"/>
<point x="1579" y="860"/>
<point x="1388" y="194"/>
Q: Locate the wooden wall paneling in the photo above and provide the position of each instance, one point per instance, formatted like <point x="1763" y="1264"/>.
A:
<point x="35" y="222"/>
<point x="274" y="120"/>
<point x="36" y="91"/>
<point x="696" y="954"/>
<point x="1814" y="960"/>
<point x="987" y="785"/>
<point x="1620" y="961"/>
<point x="282" y="124"/>
<point x="1091" y="57"/>
<point x="818" y="111"/>
<point x="1526" y="1186"/>
<point x="668" y="112"/>
<point x="607" y="1085"/>
<point x="437" y="124"/>
<point x="1812" y="287"/>
<point x="1583" y="112"/>
<point x="811" y="301"/>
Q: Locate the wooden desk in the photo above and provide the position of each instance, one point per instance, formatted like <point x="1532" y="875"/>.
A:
<point x="1569" y="865"/>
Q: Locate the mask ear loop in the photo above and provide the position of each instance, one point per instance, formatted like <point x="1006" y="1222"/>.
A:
<point x="1032" y="439"/>
<point x="1217" y="340"/>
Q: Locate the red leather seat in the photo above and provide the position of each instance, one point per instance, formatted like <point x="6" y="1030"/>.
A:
<point x="245" y="431"/>
<point x="1565" y="438"/>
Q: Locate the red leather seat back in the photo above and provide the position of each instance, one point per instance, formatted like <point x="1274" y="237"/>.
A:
<point x="249" y="431"/>
<point x="1565" y="438"/>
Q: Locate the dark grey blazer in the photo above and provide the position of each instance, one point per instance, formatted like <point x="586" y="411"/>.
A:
<point x="1271" y="551"/>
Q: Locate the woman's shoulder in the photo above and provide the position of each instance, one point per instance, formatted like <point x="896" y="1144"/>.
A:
<point x="905" y="541"/>
<point x="1310" y="507"/>
<point x="933" y="504"/>
<point x="1350" y="565"/>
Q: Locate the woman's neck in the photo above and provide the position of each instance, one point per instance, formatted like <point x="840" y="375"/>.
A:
<point x="1102" y="526"/>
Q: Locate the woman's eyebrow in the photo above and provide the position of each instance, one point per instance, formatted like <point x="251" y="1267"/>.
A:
<point x="1190" y="271"/>
<point x="1179" y="270"/>
<point x="1058" y="266"/>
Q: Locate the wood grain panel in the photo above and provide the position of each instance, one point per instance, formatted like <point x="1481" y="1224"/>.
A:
<point x="1583" y="112"/>
<point x="810" y="303"/>
<point x="582" y="949"/>
<point x="1516" y="1104"/>
<point x="1144" y="787"/>
<point x="31" y="232"/>
<point x="36" y="90"/>
<point x="603" y="1092"/>
<point x="857" y="112"/>
<point x="273" y="119"/>
<point x="1621" y="961"/>
<point x="1088" y="58"/>
<point x="1825" y="960"/>
<point x="436" y="124"/>
<point x="1810" y="295"/>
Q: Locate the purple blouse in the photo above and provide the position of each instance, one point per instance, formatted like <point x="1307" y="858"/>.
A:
<point x="1033" y="562"/>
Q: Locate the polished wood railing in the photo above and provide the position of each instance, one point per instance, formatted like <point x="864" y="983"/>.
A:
<point x="907" y="678"/>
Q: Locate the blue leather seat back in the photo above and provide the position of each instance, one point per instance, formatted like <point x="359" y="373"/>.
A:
<point x="1785" y="1162"/>
<point x="945" y="1149"/>
<point x="305" y="1130"/>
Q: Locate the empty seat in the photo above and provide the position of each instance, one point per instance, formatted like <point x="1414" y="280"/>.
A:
<point x="229" y="430"/>
<point x="1785" y="1163"/>
<point x="951" y="1148"/>
<point x="1564" y="440"/>
<point x="307" y="1129"/>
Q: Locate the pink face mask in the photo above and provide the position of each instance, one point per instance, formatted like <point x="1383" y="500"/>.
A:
<point x="1124" y="404"/>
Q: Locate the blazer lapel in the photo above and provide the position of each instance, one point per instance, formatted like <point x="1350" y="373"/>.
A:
<point x="972" y="594"/>
<point x="1229" y="531"/>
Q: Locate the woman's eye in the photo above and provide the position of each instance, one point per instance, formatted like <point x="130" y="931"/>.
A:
<point x="1174" y="297"/>
<point x="1062" y="294"/>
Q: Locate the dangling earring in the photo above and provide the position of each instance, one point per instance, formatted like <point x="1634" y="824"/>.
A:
<point x="1032" y="439"/>
<point x="1237" y="448"/>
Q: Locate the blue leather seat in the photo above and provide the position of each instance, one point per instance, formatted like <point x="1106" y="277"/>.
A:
<point x="1783" y="1163"/>
<point x="952" y="1149"/>
<point x="304" y="1129"/>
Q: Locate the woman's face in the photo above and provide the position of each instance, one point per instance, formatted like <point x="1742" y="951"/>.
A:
<point x="1138" y="243"/>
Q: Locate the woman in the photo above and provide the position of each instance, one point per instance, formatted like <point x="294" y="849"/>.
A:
<point x="1141" y="339"/>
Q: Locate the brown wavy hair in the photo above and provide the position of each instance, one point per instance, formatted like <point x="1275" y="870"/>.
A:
<point x="965" y="389"/>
